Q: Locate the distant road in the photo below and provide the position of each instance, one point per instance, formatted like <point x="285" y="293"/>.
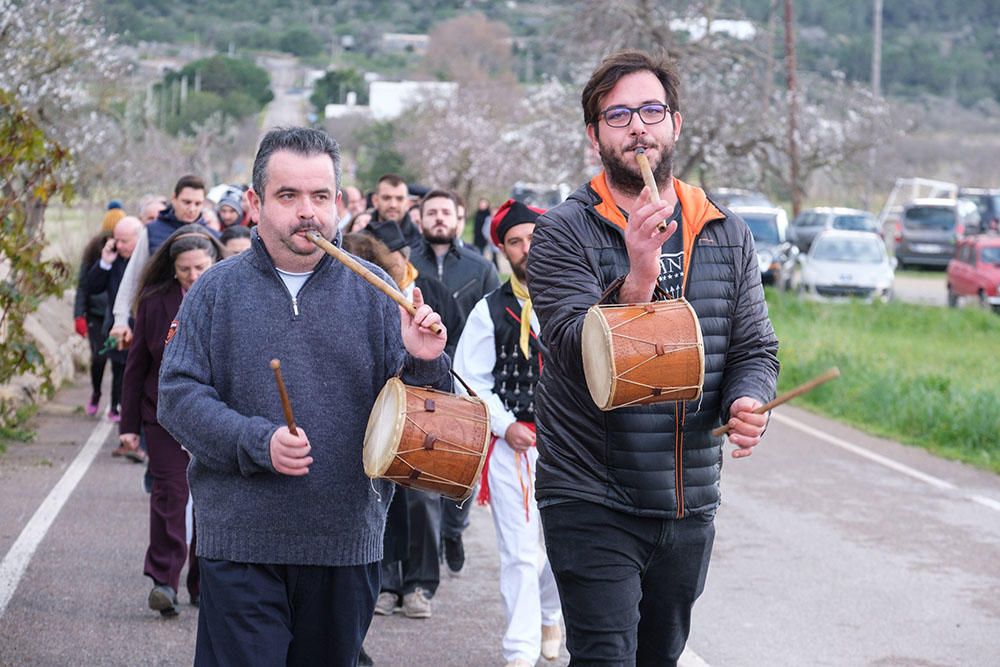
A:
<point x="926" y="288"/>
<point x="287" y="108"/>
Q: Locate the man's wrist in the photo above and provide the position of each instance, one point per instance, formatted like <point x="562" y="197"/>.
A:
<point x="636" y="289"/>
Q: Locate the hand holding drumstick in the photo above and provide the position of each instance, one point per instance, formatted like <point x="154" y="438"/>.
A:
<point x="289" y="445"/>
<point x="748" y="417"/>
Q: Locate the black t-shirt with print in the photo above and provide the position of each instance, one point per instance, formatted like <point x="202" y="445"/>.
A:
<point x="671" y="278"/>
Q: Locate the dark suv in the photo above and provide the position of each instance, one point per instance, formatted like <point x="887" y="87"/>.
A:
<point x="929" y="228"/>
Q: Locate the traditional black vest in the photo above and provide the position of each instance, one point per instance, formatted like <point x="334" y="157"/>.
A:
<point x="514" y="377"/>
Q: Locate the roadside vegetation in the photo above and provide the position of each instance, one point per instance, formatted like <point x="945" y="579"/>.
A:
<point x="920" y="375"/>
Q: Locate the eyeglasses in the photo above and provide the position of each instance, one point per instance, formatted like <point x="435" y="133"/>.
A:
<point x="650" y="114"/>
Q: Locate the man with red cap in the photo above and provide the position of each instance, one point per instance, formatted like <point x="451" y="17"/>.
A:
<point x="499" y="356"/>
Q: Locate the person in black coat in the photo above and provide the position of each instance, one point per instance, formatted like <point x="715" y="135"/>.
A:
<point x="88" y="318"/>
<point x="104" y="277"/>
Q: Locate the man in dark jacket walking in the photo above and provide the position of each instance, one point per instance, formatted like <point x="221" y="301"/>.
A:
<point x="470" y="278"/>
<point x="628" y="497"/>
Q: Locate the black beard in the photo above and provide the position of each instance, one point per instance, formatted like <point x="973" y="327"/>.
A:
<point x="439" y="237"/>
<point x="628" y="178"/>
<point x="520" y="270"/>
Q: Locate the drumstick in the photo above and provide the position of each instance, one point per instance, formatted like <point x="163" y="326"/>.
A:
<point x="647" y="176"/>
<point x="788" y="395"/>
<point x="361" y="270"/>
<point x="276" y="367"/>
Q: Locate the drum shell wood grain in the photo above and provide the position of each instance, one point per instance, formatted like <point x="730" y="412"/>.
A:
<point x="639" y="354"/>
<point x="440" y="445"/>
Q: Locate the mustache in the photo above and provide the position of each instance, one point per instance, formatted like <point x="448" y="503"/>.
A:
<point x="637" y="144"/>
<point x="306" y="227"/>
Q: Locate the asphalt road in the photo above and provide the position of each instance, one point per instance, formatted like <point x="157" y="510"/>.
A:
<point x="926" y="288"/>
<point x="288" y="108"/>
<point x="825" y="555"/>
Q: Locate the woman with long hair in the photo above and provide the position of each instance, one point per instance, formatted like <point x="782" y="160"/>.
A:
<point x="170" y="273"/>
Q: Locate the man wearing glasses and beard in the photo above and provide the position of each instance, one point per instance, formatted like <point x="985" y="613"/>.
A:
<point x="628" y="497"/>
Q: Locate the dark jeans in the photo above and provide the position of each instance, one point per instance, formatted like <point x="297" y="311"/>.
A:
<point x="455" y="517"/>
<point x="627" y="583"/>
<point x="421" y="568"/>
<point x="283" y="614"/>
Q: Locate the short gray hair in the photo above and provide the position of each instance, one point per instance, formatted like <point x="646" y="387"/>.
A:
<point x="305" y="141"/>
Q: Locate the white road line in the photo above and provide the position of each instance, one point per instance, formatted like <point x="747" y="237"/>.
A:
<point x="16" y="561"/>
<point x="883" y="460"/>
<point x="691" y="659"/>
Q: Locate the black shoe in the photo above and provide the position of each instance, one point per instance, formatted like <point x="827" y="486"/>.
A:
<point x="454" y="553"/>
<point x="164" y="600"/>
<point x="365" y="660"/>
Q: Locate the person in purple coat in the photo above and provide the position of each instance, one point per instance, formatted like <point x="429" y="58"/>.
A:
<point x="175" y="266"/>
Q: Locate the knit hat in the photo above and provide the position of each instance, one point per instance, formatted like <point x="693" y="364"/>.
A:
<point x="233" y="199"/>
<point x="510" y="214"/>
<point x="114" y="203"/>
<point x="387" y="232"/>
<point x="111" y="219"/>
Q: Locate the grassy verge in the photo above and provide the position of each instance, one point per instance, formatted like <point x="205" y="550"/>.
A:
<point x="920" y="375"/>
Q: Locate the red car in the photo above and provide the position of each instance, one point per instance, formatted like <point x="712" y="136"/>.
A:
<point x="975" y="271"/>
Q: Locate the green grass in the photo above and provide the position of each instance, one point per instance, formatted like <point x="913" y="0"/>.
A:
<point x="14" y="427"/>
<point x="921" y="375"/>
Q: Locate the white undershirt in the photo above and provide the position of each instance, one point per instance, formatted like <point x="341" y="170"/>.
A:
<point x="293" y="281"/>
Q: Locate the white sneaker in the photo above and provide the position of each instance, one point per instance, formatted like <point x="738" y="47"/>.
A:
<point x="417" y="604"/>
<point x="519" y="662"/>
<point x="385" y="605"/>
<point x="551" y="641"/>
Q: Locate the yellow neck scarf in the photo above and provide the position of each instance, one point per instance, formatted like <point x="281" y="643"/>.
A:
<point x="410" y="275"/>
<point x="521" y="292"/>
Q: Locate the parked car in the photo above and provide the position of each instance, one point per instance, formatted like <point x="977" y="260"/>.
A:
<point x="844" y="264"/>
<point x="738" y="197"/>
<point x="929" y="228"/>
<point x="811" y="222"/>
<point x="776" y="256"/>
<point x="975" y="271"/>
<point x="988" y="203"/>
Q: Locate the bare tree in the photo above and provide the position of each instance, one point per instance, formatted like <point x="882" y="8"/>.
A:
<point x="470" y="49"/>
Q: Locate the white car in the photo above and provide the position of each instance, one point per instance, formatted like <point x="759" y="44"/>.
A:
<point x="844" y="264"/>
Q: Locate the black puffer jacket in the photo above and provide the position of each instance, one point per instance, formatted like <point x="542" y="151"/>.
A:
<point x="657" y="460"/>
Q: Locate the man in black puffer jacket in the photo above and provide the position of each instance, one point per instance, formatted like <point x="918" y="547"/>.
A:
<point x="628" y="497"/>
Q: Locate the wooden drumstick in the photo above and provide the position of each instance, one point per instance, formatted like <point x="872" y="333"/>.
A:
<point x="788" y="395"/>
<point x="276" y="367"/>
<point x="361" y="270"/>
<point x="647" y="177"/>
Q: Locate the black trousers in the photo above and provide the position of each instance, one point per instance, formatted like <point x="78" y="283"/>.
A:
<point x="455" y="517"/>
<point x="283" y="614"/>
<point x="421" y="567"/>
<point x="627" y="583"/>
<point x="95" y="327"/>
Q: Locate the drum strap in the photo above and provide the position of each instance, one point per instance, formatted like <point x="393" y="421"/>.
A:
<point x="616" y="284"/>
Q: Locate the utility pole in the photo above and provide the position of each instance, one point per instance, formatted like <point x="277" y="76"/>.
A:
<point x="876" y="94"/>
<point x="793" y="147"/>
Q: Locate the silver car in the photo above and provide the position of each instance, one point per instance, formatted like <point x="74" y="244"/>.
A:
<point x="842" y="265"/>
<point x="809" y="223"/>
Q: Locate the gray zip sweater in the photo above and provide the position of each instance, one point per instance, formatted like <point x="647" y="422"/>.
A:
<point x="338" y="342"/>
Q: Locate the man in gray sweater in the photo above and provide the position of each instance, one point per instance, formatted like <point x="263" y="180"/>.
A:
<point x="289" y="527"/>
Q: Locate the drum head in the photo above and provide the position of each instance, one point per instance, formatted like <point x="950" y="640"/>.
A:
<point x="385" y="428"/>
<point x="598" y="359"/>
